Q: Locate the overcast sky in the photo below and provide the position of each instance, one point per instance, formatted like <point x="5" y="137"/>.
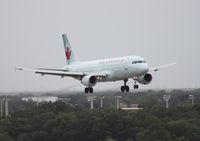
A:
<point x="161" y="31"/>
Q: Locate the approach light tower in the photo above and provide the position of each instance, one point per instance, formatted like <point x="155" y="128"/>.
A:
<point x="1" y="108"/>
<point x="6" y="107"/>
<point x="192" y="98"/>
<point x="4" y="101"/>
<point x="102" y="97"/>
<point x="118" y="102"/>
<point x="91" y="98"/>
<point x="166" y="99"/>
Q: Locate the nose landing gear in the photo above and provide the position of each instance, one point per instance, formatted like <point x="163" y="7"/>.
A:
<point x="135" y="86"/>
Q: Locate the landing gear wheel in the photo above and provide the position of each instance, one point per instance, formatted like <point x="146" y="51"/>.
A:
<point x="122" y="88"/>
<point x="91" y="90"/>
<point x="86" y="90"/>
<point x="136" y="87"/>
<point x="127" y="88"/>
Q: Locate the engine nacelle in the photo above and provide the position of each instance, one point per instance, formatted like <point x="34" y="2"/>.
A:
<point x="145" y="79"/>
<point x="89" y="80"/>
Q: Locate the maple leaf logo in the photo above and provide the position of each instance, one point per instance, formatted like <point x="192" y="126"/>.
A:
<point x="68" y="53"/>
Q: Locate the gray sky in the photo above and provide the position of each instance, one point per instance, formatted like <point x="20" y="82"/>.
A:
<point x="161" y="31"/>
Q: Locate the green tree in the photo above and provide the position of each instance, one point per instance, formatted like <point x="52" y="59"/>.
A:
<point x="39" y="136"/>
<point x="5" y="137"/>
<point x="23" y="137"/>
<point x="110" y="139"/>
<point x="129" y="139"/>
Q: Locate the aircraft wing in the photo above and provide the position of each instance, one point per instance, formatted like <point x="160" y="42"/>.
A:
<point x="62" y="72"/>
<point x="162" y="66"/>
<point x="54" y="69"/>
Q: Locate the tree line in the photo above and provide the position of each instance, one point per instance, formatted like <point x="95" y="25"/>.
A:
<point x="61" y="121"/>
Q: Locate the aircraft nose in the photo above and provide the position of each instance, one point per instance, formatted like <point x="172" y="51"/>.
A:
<point x="145" y="68"/>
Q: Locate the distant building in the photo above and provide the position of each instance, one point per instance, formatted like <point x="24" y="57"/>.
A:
<point x="133" y="107"/>
<point x="40" y="99"/>
<point x="123" y="105"/>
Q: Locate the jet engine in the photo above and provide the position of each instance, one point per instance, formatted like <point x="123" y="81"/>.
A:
<point x="145" y="79"/>
<point x="89" y="80"/>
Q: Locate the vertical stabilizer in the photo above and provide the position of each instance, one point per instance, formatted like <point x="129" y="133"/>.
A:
<point x="69" y="53"/>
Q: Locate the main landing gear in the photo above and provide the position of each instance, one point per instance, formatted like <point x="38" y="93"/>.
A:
<point x="125" y="87"/>
<point x="88" y="90"/>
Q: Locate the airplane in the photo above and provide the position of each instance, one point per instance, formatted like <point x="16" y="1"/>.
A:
<point x="104" y="70"/>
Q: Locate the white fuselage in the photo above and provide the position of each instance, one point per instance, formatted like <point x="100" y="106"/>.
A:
<point x="117" y="68"/>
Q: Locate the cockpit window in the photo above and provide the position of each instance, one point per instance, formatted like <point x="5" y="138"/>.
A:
<point x="134" y="62"/>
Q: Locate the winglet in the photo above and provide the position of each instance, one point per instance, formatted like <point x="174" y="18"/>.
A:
<point x="163" y="66"/>
<point x="24" y="69"/>
<point x="18" y="68"/>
